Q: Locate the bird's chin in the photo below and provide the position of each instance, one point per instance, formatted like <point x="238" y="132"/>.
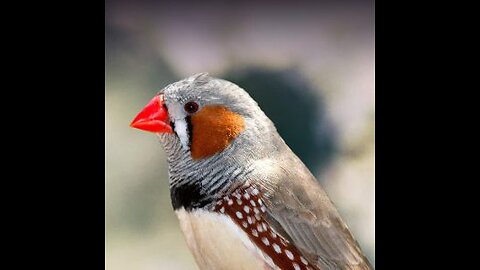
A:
<point x="167" y="138"/>
<point x="163" y="136"/>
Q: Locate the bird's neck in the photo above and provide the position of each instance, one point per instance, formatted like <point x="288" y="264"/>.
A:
<point x="197" y="183"/>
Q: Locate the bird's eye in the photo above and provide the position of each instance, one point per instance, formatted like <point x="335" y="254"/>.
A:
<point x="191" y="107"/>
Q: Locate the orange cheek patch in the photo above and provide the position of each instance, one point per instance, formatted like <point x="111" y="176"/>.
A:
<point x="214" y="128"/>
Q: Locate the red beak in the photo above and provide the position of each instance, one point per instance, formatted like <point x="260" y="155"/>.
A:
<point x="154" y="117"/>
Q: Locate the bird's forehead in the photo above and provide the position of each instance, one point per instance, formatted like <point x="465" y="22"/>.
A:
<point x="183" y="91"/>
<point x="178" y="91"/>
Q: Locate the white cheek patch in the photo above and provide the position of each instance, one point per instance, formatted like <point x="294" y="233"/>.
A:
<point x="181" y="129"/>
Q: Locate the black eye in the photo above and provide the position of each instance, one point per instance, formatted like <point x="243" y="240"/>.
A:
<point x="191" y="107"/>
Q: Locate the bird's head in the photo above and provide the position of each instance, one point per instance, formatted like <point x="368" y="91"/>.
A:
<point x="202" y="115"/>
<point x="204" y="122"/>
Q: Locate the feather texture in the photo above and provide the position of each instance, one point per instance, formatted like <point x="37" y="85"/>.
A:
<point x="299" y="209"/>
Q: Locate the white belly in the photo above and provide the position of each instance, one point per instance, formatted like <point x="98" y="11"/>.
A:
<point x="218" y="243"/>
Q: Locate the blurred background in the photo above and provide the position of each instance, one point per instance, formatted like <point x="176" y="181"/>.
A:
<point x="310" y="66"/>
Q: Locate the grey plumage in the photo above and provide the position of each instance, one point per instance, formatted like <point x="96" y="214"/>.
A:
<point x="297" y="206"/>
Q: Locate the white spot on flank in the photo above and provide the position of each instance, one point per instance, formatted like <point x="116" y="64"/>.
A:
<point x="253" y="203"/>
<point x="230" y="202"/>
<point x="246" y="209"/>
<point x="239" y="215"/>
<point x="263" y="209"/>
<point x="249" y="219"/>
<point x="303" y="260"/>
<point x="219" y="202"/>
<point x="257" y="217"/>
<point x="274" y="235"/>
<point x="256" y="210"/>
<point x="239" y="202"/>
<point x="246" y="195"/>
<point x="255" y="191"/>
<point x="259" y="227"/>
<point x="222" y="210"/>
<point x="289" y="254"/>
<point x="260" y="202"/>
<point x="264" y="226"/>
<point x="277" y="248"/>
<point x="296" y="266"/>
<point x="254" y="233"/>
<point x="244" y="224"/>
<point x="265" y="241"/>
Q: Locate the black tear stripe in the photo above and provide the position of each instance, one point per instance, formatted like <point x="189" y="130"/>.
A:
<point x="189" y="129"/>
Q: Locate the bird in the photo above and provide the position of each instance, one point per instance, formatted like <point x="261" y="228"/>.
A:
<point x="243" y="199"/>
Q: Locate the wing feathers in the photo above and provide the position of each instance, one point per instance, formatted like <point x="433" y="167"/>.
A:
<point x="300" y="210"/>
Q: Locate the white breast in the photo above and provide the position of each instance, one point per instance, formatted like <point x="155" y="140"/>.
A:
<point x="218" y="243"/>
